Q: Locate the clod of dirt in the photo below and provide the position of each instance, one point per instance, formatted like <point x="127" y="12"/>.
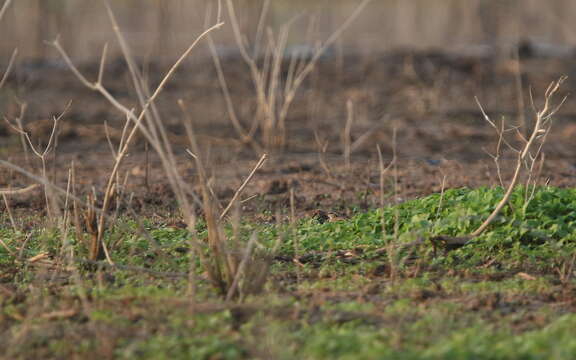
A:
<point x="277" y="187"/>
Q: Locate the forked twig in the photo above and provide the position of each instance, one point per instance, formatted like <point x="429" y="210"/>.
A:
<point x="148" y="131"/>
<point x="243" y="186"/>
<point x="41" y="154"/>
<point x="541" y="127"/>
<point x="246" y="137"/>
<point x="274" y="99"/>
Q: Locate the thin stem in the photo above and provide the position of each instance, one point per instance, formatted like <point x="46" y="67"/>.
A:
<point x="243" y="186"/>
<point x="8" y="68"/>
<point x="545" y="113"/>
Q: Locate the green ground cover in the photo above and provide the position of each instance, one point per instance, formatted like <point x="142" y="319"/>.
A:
<point x="347" y="289"/>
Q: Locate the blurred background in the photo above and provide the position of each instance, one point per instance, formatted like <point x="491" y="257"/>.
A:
<point x="404" y="76"/>
<point x="161" y="28"/>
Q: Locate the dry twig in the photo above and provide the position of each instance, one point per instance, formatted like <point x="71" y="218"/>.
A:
<point x="541" y="129"/>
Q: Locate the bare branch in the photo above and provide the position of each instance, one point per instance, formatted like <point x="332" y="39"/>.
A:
<point x="18" y="191"/>
<point x="8" y="68"/>
<point x="243" y="186"/>
<point x="4" y="8"/>
<point x="102" y="63"/>
<point x="544" y="112"/>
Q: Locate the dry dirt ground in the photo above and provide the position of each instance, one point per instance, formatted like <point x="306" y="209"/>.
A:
<point x="442" y="141"/>
<point x="428" y="99"/>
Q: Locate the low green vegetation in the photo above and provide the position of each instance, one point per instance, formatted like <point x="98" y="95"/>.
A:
<point x="371" y="286"/>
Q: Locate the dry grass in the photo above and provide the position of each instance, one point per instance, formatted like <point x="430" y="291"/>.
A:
<point x="235" y="269"/>
<point x="268" y="62"/>
<point x="238" y="265"/>
<point x="234" y="273"/>
<point x="530" y="152"/>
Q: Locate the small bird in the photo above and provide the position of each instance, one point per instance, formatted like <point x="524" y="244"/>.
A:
<point x="326" y="216"/>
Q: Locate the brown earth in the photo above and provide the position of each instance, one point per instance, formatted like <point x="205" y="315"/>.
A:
<point x="427" y="98"/>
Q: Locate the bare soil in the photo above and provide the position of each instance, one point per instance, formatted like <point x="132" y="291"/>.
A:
<point x="442" y="141"/>
<point x="428" y="98"/>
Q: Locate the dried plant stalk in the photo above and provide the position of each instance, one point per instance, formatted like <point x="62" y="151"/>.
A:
<point x="541" y="129"/>
<point x="274" y="94"/>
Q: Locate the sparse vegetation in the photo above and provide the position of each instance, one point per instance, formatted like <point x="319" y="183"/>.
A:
<point x="342" y="304"/>
<point x="130" y="264"/>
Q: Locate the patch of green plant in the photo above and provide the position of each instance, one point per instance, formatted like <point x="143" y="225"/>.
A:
<point x="485" y="342"/>
<point x="538" y="233"/>
<point x="437" y="335"/>
<point x="525" y="232"/>
<point x="183" y="347"/>
<point x="206" y="337"/>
